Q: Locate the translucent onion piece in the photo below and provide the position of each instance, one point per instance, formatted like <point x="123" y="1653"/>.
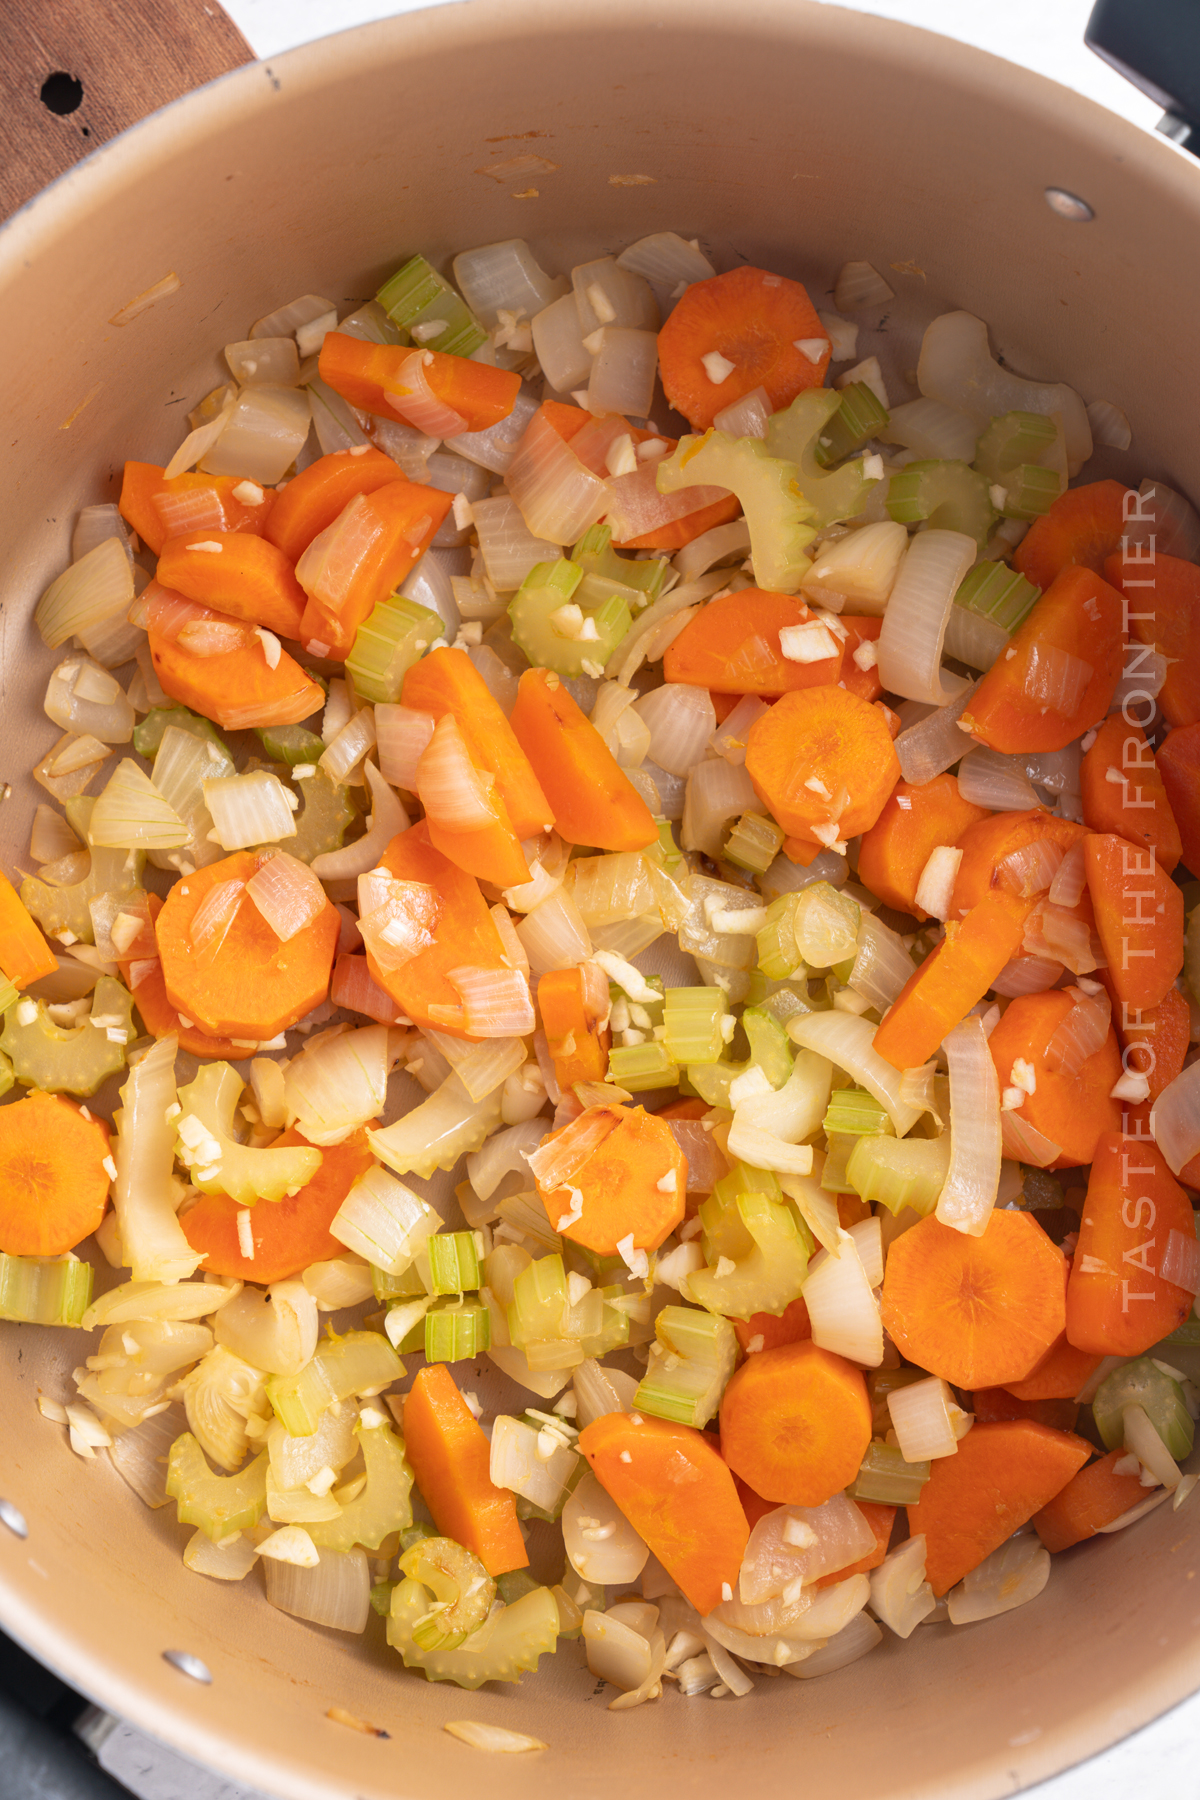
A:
<point x="214" y="637"/>
<point x="410" y="450"/>
<point x="1166" y="518"/>
<point x="1023" y="1142"/>
<point x="453" y="791"/>
<point x="969" y="1192"/>
<point x="508" y="547"/>
<point x="602" y="1546"/>
<point x="498" y="678"/>
<point x="561" y="1157"/>
<point x="271" y="359"/>
<point x="497" y="1002"/>
<point x="287" y="320"/>
<point x="1181" y="1261"/>
<point x="717" y="793"/>
<point x="413" y="400"/>
<point x="747" y="417"/>
<point x="402" y="736"/>
<point x="848" y="1042"/>
<point x="383" y="1220"/>
<point x="1055" y="680"/>
<point x="787" y="877"/>
<point x="249" y="809"/>
<point x="287" y="894"/>
<point x="197" y="444"/>
<point x="332" y="563"/>
<point x="636" y="507"/>
<point x="859" y="569"/>
<point x="507" y="1153"/>
<point x="387" y="818"/>
<point x="140" y="1456"/>
<point x="923" y="1416"/>
<point x="96" y="523"/>
<point x="548" y="859"/>
<point x="799" y="1543"/>
<point x="91" y="594"/>
<point x="558" y="498"/>
<point x="1027" y="975"/>
<point x="1109" y="425"/>
<point x="275" y="1331"/>
<point x="881" y="965"/>
<point x="350" y="745"/>
<point x="900" y="1595"/>
<point x="558" y="344"/>
<point x="989" y="778"/>
<point x="83" y="697"/>
<point x="221" y="1562"/>
<point x="1058" y="935"/>
<point x="858" y="284"/>
<point x="722" y="544"/>
<point x="909" y="648"/>
<point x="553" y="934"/>
<point x="1175" y="1119"/>
<point x="1031" y="869"/>
<point x="337" y="1593"/>
<point x="651" y="634"/>
<point x="51" y="837"/>
<point x="194" y="509"/>
<point x="495" y="448"/>
<point x="264" y="432"/>
<point x="1142" y="675"/>
<point x="505" y="277"/>
<point x="932" y="430"/>
<point x="214" y="916"/>
<point x="338" y="1282"/>
<point x="1012" y="1575"/>
<point x="729" y="739"/>
<point x="601" y="1390"/>
<point x="843" y="1310"/>
<point x="936" y="743"/>
<point x="681" y="721"/>
<point x="665" y="260"/>
<point x="337" y="1085"/>
<point x="132" y="814"/>
<point x="615" y="1652"/>
<point x="957" y="368"/>
<point x="1081" y="1033"/>
<point x="846" y="1646"/>
<point x="622" y="374"/>
<point x="1144" y="1441"/>
<point x="151" y="1236"/>
<point x="976" y="641"/>
<point x="400" y="924"/>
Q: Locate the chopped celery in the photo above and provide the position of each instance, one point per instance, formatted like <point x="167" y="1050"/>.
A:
<point x="994" y="591"/>
<point x="556" y="629"/>
<point x="949" y="494"/>
<point x="417" y="295"/>
<point x="694" y="1018"/>
<point x="754" y="843"/>
<point x="1187" y="1335"/>
<point x="639" y="1067"/>
<point x="860" y="416"/>
<point x="416" y="1534"/>
<point x="207" y="1147"/>
<point x="826" y="925"/>
<point x="711" y="1082"/>
<point x="456" y="1333"/>
<point x="900" y="1172"/>
<point x="383" y="1506"/>
<point x="148" y="734"/>
<point x="541" y="1469"/>
<point x="459" y="1583"/>
<point x="326" y="815"/>
<point x="447" y="1125"/>
<point x="778" y="956"/>
<point x="218" y="1504"/>
<point x="885" y="1477"/>
<point x="691" y="1360"/>
<point x="758" y="1250"/>
<point x="881" y="1383"/>
<point x="596" y="556"/>
<point x="834" y="1178"/>
<point x="854" y="1111"/>
<point x="387" y="644"/>
<point x="381" y="1598"/>
<point x="1144" y="1383"/>
<point x="290" y="744"/>
<point x="1030" y="491"/>
<point x="71" y="1059"/>
<point x="667" y="851"/>
<point x="405" y="1286"/>
<point x="44" y="1290"/>
<point x="454" y="1265"/>
<point x="742" y="1179"/>
<point x="540" y="1304"/>
<point x="770" y="1046"/>
<point x="1012" y="438"/>
<point x="114" y="875"/>
<point x="509" y="1643"/>
<point x="515" y="1585"/>
<point x="341" y="1366"/>
<point x="613" y="1332"/>
<point x="769" y="489"/>
<point x="795" y="434"/>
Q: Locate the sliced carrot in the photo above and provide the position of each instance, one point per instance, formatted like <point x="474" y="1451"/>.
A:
<point x="53" y="1183"/>
<point x="568" y="421"/>
<point x="831" y="737"/>
<point x="978" y="1311"/>
<point x="685" y="530"/>
<point x="723" y="704"/>
<point x="1162" y="602"/>
<point x="1060" y="1375"/>
<point x="851" y="1210"/>
<point x="1082" y="528"/>
<point x="314" y="498"/>
<point x="1178" y="761"/>
<point x="915" y="820"/>
<point x="1118" y="1304"/>
<point x="25" y="956"/>
<point x="244" y="577"/>
<point x="363" y="373"/>
<point x="255" y="986"/>
<point x="991" y="1404"/>
<point x="798" y="851"/>
<point x="593" y="800"/>
<point x="1123" y="791"/>
<point x="352" y="986"/>
<point x="990" y="840"/>
<point x="796" y="1423"/>
<point x="153" y="505"/>
<point x="291" y="1233"/>
<point x="1073" y="1111"/>
<point x="1139" y="916"/>
<point x="881" y="1520"/>
<point x="141" y="971"/>
<point x="792" y="1326"/>
<point x="753" y="320"/>
<point x="1058" y="675"/>
<point x="574" y="1036"/>
<point x="733" y="642"/>
<point x="465" y="935"/>
<point x="451" y="1456"/>
<point x="631" y="1186"/>
<point x="678" y="1495"/>
<point x="447" y="681"/>
<point x="237" y="689"/>
<point x="489" y="852"/>
<point x="384" y="534"/>
<point x="864" y="682"/>
<point x="953" y="977"/>
<point x="1154" y="1040"/>
<point x="1091" y="1500"/>
<point x="753" y="1505"/>
<point x="999" y="1477"/>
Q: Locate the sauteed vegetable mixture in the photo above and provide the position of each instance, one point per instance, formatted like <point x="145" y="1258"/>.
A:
<point x="682" y="924"/>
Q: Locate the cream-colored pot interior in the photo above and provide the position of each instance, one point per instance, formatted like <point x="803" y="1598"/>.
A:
<point x="795" y="137"/>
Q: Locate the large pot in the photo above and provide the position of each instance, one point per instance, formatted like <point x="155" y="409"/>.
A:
<point x="794" y="136"/>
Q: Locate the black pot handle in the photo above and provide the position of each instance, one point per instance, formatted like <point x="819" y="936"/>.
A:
<point x="1155" y="44"/>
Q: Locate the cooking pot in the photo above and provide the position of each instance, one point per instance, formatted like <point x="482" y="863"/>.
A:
<point x="789" y="135"/>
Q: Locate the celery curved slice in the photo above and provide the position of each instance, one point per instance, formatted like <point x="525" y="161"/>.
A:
<point x="769" y="488"/>
<point x="206" y="1146"/>
<point x="44" y="1290"/>
<point x="447" y="1125"/>
<point x="596" y="556"/>
<point x="947" y="494"/>
<point x="326" y="815"/>
<point x="1144" y="1383"/>
<point x="387" y="644"/>
<point x="290" y="744"/>
<point x="691" y="1360"/>
<point x="148" y="735"/>
<point x="341" y="1366"/>
<point x="515" y="1638"/>
<point x="795" y="435"/>
<point x="115" y="873"/>
<point x="768" y="1246"/>
<point x="556" y="628"/>
<point x="218" y="1504"/>
<point x="461" y="1586"/>
<point x="899" y="1172"/>
<point x="383" y="1506"/>
<point x="71" y="1060"/>
<point x="1010" y="439"/>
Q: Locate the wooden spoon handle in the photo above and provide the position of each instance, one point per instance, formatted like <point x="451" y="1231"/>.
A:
<point x="73" y="76"/>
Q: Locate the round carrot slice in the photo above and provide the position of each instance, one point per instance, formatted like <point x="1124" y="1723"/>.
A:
<point x="822" y="763"/>
<point x="978" y="1311"/>
<point x="288" y="1234"/>
<point x="53" y="1183"/>
<point x="796" y="1423"/>
<point x="633" y="1185"/>
<point x="753" y="320"/>
<point x="1073" y="1111"/>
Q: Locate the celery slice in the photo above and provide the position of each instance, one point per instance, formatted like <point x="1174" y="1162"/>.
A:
<point x="767" y="1276"/>
<point x="950" y="495"/>
<point x="148" y="734"/>
<point x="44" y="1290"/>
<point x="691" y="1360"/>
<point x="540" y="1303"/>
<point x="387" y="644"/>
<point x="742" y="1179"/>
<point x="1146" y="1384"/>
<point x="417" y="295"/>
<point x="383" y="1506"/>
<point x="114" y="874"/>
<point x="693" y="1020"/>
<point x="515" y="1638"/>
<point x="770" y="1046"/>
<point x="826" y="924"/>
<point x="834" y="1178"/>
<point x="614" y="1330"/>
<point x="207" y="1147"/>
<point x="341" y="1366"/>
<point x="218" y="1504"/>
<point x="71" y="1060"/>
<point x="1030" y="491"/>
<point x="596" y="556"/>
<point x="405" y="1286"/>
<point x="460" y="1584"/>
<point x="447" y="1125"/>
<point x="854" y="1111"/>
<point x="639" y="1067"/>
<point x="457" y="1333"/>
<point x="514" y="1585"/>
<point x="769" y="490"/>
<point x="557" y="629"/>
<point x="994" y="591"/>
<point x="795" y="434"/>
<point x="778" y="956"/>
<point x="886" y="1477"/>
<point x="454" y="1264"/>
<point x="900" y="1172"/>
<point x="326" y="815"/>
<point x="861" y="415"/>
<point x="754" y="843"/>
<point x="290" y="744"/>
<point x="1013" y="438"/>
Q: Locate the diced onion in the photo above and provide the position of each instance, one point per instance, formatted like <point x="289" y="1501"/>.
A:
<point x="923" y="1417"/>
<point x="335" y="1086"/>
<point x="900" y="1595"/>
<point x="858" y="284"/>
<point x="935" y="743"/>
<point x="561" y="1157"/>
<point x="383" y="1220"/>
<point x="287" y="894"/>
<point x="505" y="277"/>
<point x="338" y="1282"/>
<point x="842" y="1308"/>
<point x="976" y="641"/>
<point x="1031" y="869"/>
<point x="746" y="417"/>
<point x="198" y="443"/>
<point x="622" y="374"/>
<point x="453" y="791"/>
<point x="140" y="1455"/>
<point x="548" y="858"/>
<point x="152" y="1238"/>
<point x="1027" y="975"/>
<point x="600" y="1390"/>
<point x="802" y="1543"/>
<point x="665" y="259"/>
<point x="221" y="1562"/>
<point x="272" y="359"/>
<point x="1175" y="1119"/>
<point x="1055" y="680"/>
<point x="249" y="809"/>
<point x="681" y="721"/>
<point x="843" y="1648"/>
<point x="336" y="1593"/>
<point x="989" y="778"/>
<point x="504" y="1154"/>
<point x="263" y="434"/>
<point x="1181" y="1261"/>
<point x="387" y="818"/>
<point x="496" y="1002"/>
<point x="1109" y="424"/>
<point x="508" y="547"/>
<point x="729" y="739"/>
<point x="83" y="697"/>
<point x="935" y="887"/>
<point x="553" y="934"/>
<point x="1058" y="935"/>
<point x="1143" y="672"/>
<point x="215" y="914"/>
<point x="969" y="1192"/>
<point x="408" y="448"/>
<point x="396" y="918"/>
<point x="717" y="793"/>
<point x="275" y="1331"/>
<point x="1023" y="1142"/>
<point x="848" y="1042"/>
<point x="558" y="498"/>
<point x="350" y="745"/>
<point x="858" y="569"/>
<point x="931" y="430"/>
<point x="914" y="626"/>
<point x="411" y="398"/>
<point x="332" y="563"/>
<point x="600" y="1556"/>
<point x="87" y="597"/>
<point x="402" y="736"/>
<point x="1080" y="1033"/>
<point x="481" y="1067"/>
<point x="1141" y="1437"/>
<point x="131" y="814"/>
<point x="1012" y="1575"/>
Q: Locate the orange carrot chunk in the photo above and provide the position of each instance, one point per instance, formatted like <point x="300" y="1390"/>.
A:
<point x="1060" y="1375"/>
<point x="1162" y="602"/>
<point x="593" y="800"/>
<point x="733" y="643"/>
<point x="1000" y="1476"/>
<point x="830" y="736"/>
<point x="1123" y="792"/>
<point x="978" y="1311"/>
<point x="1072" y="1110"/>
<point x="990" y="1404"/>
<point x="1139" y="916"/>
<point x="796" y="1423"/>
<point x="678" y="1495"/>
<point x="615" y="1174"/>
<point x="447" y="681"/>
<point x="1118" y="1303"/>
<point x="451" y="1457"/>
<point x="575" y="1039"/>
<point x="1090" y="1500"/>
<point x="235" y="573"/>
<point x="952" y="978"/>
<point x="861" y="677"/>
<point x="372" y="545"/>
<point x="369" y="374"/>
<point x="767" y="1331"/>
<point x="238" y="688"/>
<point x="53" y="1183"/>
<point x="159" y="509"/>
<point x="1082" y="528"/>
<point x="988" y="842"/>
<point x="1178" y="761"/>
<point x="753" y="320"/>
<point x="1154" y="1040"/>
<point x="314" y="498"/>
<point x="291" y="1233"/>
<point x="915" y="820"/>
<point x="25" y="956"/>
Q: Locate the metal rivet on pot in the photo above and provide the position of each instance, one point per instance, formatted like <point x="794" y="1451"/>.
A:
<point x="13" y="1519"/>
<point x="187" y="1664"/>
<point x="1069" y="206"/>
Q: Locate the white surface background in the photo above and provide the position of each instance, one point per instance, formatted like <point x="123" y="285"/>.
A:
<point x="1162" y="1762"/>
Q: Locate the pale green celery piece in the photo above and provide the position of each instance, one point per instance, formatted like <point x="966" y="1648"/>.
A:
<point x="116" y="873"/>
<point x="854" y="1111"/>
<point x="246" y="1175"/>
<point x="1143" y="1383"/>
<point x="996" y="592"/>
<point x="826" y="925"/>
<point x="540" y="1304"/>
<point x="640" y="1067"/>
<point x="1013" y="438"/>
<point x="834" y="1178"/>
<point x="795" y="434"/>
<point x="770" y="1047"/>
<point x="417" y="295"/>
<point x="549" y="644"/>
<point x="744" y="1179"/>
<point x="290" y="744"/>
<point x="454" y="1265"/>
<point x="9" y="995"/>
<point x="148" y="733"/>
<point x="885" y="1477"/>
<point x="340" y="1367"/>
<point x="515" y="1585"/>
<point x="447" y="1125"/>
<point x="383" y="1506"/>
<point x="900" y="1172"/>
<point x="456" y="1333"/>
<point x="71" y="1059"/>
<point x="416" y="1534"/>
<point x="754" y="843"/>
<point x="614" y="1325"/>
<point x="218" y="1504"/>
<point x="44" y="1290"/>
<point x="596" y="556"/>
<point x="768" y="1275"/>
<point x="667" y="851"/>
<point x="405" y="1286"/>
<point x="778" y="956"/>
<point x="636" y="1307"/>
<point x="515" y="1638"/>
<point x="691" y="1360"/>
<point x="1186" y="1336"/>
<point x="1191" y="954"/>
<point x="770" y="492"/>
<point x="784" y="1000"/>
<point x="326" y="815"/>
<point x="861" y="415"/>
<point x="387" y="644"/>
<point x="693" y="1018"/>
<point x="414" y="1338"/>
<point x="381" y="1598"/>
<point x="1030" y="491"/>
<point x="949" y="495"/>
<point x="460" y="1585"/>
<point x="7" y="1078"/>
